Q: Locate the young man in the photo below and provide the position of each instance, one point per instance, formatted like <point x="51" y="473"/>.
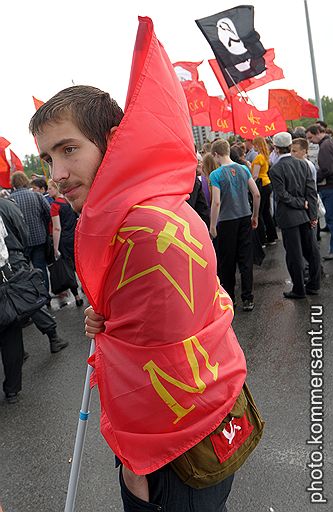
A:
<point x="296" y="215"/>
<point x="232" y="221"/>
<point x="299" y="149"/>
<point x="316" y="134"/>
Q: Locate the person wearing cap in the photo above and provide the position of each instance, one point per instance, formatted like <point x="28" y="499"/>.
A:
<point x="297" y="216"/>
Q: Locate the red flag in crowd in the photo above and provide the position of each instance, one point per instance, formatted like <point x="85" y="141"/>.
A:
<point x="3" y="144"/>
<point x="16" y="163"/>
<point x="146" y="418"/>
<point x="202" y="119"/>
<point x="273" y="72"/>
<point x="38" y="103"/>
<point x="291" y="105"/>
<point x="187" y="71"/>
<point x="4" y="171"/>
<point x="250" y="122"/>
<point x="196" y="96"/>
<point x="220" y="115"/>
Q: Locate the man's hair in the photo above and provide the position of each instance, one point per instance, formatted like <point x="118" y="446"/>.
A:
<point x="321" y="123"/>
<point x="303" y="143"/>
<point x="39" y="182"/>
<point x="283" y="151"/>
<point x="19" y="180"/>
<point x="93" y="111"/>
<point x="221" y="147"/>
<point x="315" y="129"/>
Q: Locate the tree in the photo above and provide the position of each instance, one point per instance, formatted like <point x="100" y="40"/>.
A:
<point x="32" y="164"/>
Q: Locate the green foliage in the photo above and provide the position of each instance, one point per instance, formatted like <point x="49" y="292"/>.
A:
<point x="32" y="164"/>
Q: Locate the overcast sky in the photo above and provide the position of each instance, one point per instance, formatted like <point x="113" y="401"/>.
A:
<point x="48" y="44"/>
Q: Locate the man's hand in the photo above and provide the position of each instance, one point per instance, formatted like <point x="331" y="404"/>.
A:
<point x="94" y="323"/>
<point x="213" y="232"/>
<point x="306" y="205"/>
<point x="313" y="223"/>
<point x="57" y="254"/>
<point x="254" y="222"/>
<point x="137" y="484"/>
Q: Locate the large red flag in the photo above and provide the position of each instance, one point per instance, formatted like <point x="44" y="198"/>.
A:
<point x="250" y="122"/>
<point x="201" y="119"/>
<point x="3" y="144"/>
<point x="168" y="366"/>
<point x="220" y="115"/>
<point x="308" y="109"/>
<point x="16" y="162"/>
<point x="4" y="171"/>
<point x="187" y="71"/>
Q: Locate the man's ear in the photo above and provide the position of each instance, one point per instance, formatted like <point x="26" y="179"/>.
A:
<point x="111" y="133"/>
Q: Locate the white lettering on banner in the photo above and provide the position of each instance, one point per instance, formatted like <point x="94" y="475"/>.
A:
<point x="230" y="435"/>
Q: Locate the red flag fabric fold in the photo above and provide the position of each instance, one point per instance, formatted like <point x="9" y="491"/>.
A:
<point x="16" y="163"/>
<point x="4" y="171"/>
<point x="37" y="103"/>
<point x="220" y="115"/>
<point x="4" y="143"/>
<point x="196" y="96"/>
<point x="291" y="105"/>
<point x="250" y="122"/>
<point x="168" y="366"/>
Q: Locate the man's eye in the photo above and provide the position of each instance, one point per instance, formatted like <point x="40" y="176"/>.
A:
<point x="69" y="150"/>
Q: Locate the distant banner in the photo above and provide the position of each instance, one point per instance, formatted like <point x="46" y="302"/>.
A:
<point x="220" y="115"/>
<point x="235" y="43"/>
<point x="291" y="105"/>
<point x="250" y="122"/>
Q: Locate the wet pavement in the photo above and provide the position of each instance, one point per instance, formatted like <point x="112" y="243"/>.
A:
<point x="37" y="434"/>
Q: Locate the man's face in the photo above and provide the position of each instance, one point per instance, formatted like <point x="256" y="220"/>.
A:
<point x="38" y="189"/>
<point x="73" y="159"/>
<point x="314" y="138"/>
<point x="297" y="151"/>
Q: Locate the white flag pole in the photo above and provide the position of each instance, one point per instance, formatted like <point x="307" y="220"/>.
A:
<point x="313" y="63"/>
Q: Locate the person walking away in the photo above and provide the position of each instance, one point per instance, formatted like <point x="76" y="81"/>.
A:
<point x="259" y="169"/>
<point x="36" y="213"/>
<point x="296" y="215"/>
<point x="232" y="222"/>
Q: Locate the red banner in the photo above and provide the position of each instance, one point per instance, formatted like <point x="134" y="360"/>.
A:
<point x="220" y="115"/>
<point x="168" y="366"/>
<point x="308" y="109"/>
<point x="37" y="103"/>
<point x="16" y="163"/>
<point x="250" y="122"/>
<point x="196" y="96"/>
<point x="202" y="119"/>
<point x="291" y="105"/>
<point x="273" y="72"/>
<point x="4" y="171"/>
<point x="3" y="144"/>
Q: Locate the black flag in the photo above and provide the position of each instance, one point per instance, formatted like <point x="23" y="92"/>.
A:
<point x="235" y="43"/>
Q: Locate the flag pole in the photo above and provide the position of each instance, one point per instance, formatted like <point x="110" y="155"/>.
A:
<point x="313" y="62"/>
<point x="80" y="438"/>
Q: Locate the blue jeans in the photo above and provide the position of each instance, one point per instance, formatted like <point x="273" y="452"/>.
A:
<point x="168" y="493"/>
<point x="327" y="198"/>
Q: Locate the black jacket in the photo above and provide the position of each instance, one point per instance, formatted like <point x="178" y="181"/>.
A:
<point x="293" y="185"/>
<point x="325" y="162"/>
<point x="198" y="201"/>
<point x="17" y="229"/>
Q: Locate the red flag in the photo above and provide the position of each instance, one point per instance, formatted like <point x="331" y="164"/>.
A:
<point x="273" y="72"/>
<point x="285" y="101"/>
<point x="220" y="78"/>
<point x="308" y="109"/>
<point x="250" y="122"/>
<point x="4" y="171"/>
<point x="187" y="71"/>
<point x="202" y="119"/>
<point x="3" y="144"/>
<point x="38" y="103"/>
<point x="196" y="96"/>
<point x="16" y="162"/>
<point x="220" y="115"/>
<point x="168" y="366"/>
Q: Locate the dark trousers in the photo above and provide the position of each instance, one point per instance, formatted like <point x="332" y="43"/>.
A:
<point x="167" y="493"/>
<point x="266" y="227"/>
<point x="36" y="254"/>
<point x="11" y="345"/>
<point x="234" y="246"/>
<point x="300" y="242"/>
<point x="41" y="318"/>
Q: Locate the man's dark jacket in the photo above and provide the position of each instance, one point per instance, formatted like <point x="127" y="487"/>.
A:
<point x="17" y="229"/>
<point x="325" y="162"/>
<point x="293" y="185"/>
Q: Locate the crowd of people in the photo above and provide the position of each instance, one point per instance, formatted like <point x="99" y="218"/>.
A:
<point x="243" y="191"/>
<point x="35" y="218"/>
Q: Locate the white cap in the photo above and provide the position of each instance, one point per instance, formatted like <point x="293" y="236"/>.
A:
<point x="282" y="140"/>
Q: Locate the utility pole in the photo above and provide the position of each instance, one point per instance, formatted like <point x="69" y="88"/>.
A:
<point x="313" y="62"/>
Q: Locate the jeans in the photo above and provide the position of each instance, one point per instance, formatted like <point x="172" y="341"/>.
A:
<point x="168" y="493"/>
<point x="327" y="198"/>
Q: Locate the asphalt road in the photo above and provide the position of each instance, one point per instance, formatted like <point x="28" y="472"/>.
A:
<point x="37" y="434"/>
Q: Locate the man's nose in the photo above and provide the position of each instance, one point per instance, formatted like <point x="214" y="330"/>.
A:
<point x="59" y="171"/>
